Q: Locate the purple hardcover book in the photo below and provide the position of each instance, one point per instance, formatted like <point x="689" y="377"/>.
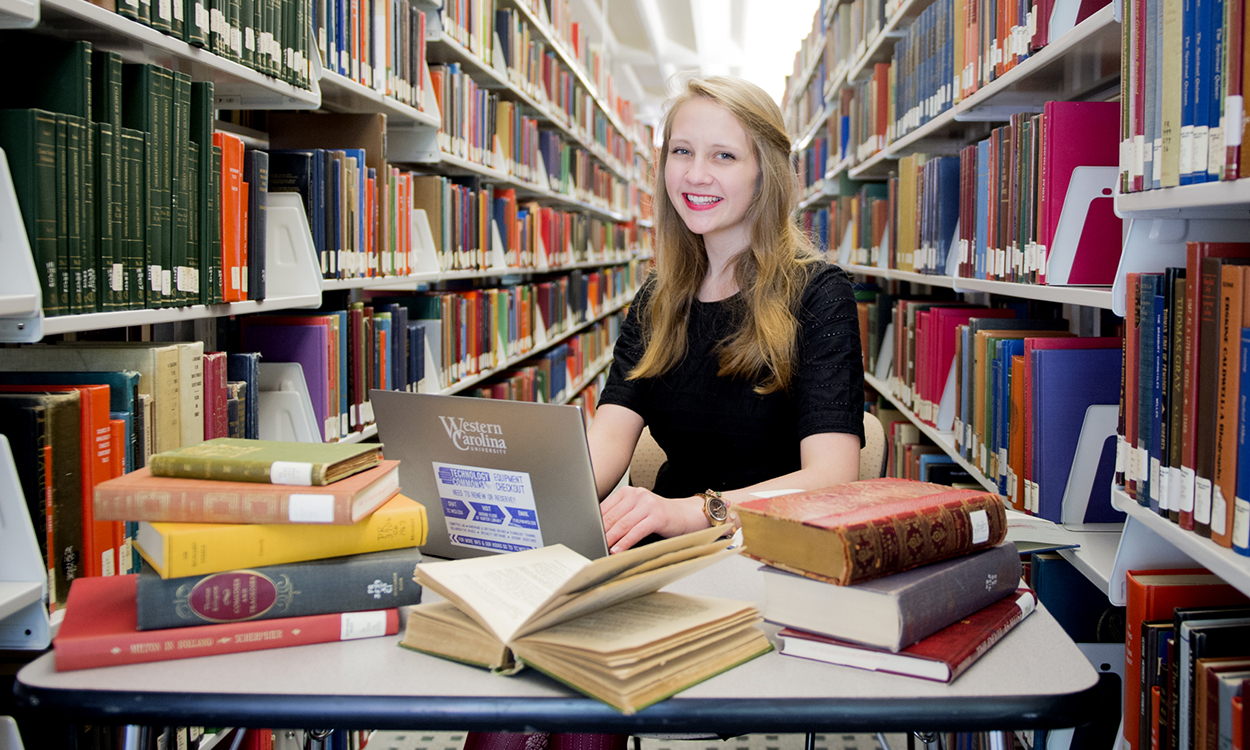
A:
<point x="307" y="345"/>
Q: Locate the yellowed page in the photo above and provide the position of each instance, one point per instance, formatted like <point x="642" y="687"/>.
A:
<point x="620" y="590"/>
<point x="501" y="592"/>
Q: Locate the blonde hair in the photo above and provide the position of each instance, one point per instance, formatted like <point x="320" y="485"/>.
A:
<point x="771" y="273"/>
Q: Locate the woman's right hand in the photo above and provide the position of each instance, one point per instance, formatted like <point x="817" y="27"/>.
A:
<point x="630" y="514"/>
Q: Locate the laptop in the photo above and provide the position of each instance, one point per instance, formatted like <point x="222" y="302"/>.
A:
<point x="494" y="476"/>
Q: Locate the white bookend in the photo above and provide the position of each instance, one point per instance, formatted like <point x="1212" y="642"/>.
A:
<point x="496" y="57"/>
<point x="19" y="14"/>
<point x="291" y="262"/>
<point x="1153" y="244"/>
<point x="23" y="577"/>
<point x="286" y="411"/>
<point x="425" y="258"/>
<point x="21" y="301"/>
<point x="498" y="258"/>
<point x="541" y="170"/>
<point x="1100" y="424"/>
<point x="945" y="420"/>
<point x="1088" y="184"/>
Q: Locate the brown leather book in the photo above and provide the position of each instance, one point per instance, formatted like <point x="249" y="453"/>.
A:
<point x="855" y="531"/>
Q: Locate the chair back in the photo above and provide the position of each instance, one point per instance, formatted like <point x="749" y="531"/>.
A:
<point x="649" y="456"/>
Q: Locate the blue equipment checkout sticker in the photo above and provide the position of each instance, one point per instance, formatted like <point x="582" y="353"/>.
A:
<point x="488" y="509"/>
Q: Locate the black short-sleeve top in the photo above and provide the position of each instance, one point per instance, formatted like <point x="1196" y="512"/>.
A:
<point x="716" y="431"/>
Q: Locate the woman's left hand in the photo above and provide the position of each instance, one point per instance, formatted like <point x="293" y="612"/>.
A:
<point x="630" y="514"/>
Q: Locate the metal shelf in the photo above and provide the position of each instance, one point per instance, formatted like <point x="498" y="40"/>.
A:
<point x="342" y="94"/>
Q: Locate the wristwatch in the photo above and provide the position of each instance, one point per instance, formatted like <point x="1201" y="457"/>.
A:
<point x="717" y="511"/>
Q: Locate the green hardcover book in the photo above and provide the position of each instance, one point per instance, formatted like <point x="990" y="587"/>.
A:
<point x="90" y="281"/>
<point x="140" y="95"/>
<point x="219" y="27"/>
<point x="266" y="461"/>
<point x="133" y="145"/>
<point x="72" y="198"/>
<point x="106" y="88"/>
<point x="181" y="208"/>
<point x="216" y="290"/>
<point x="162" y="15"/>
<point x="201" y="136"/>
<point x="247" y="23"/>
<point x="29" y="140"/>
<point x="196" y="219"/>
<point x="234" y="34"/>
<point x="164" y="155"/>
<point x="198" y="24"/>
<point x="178" y="23"/>
<point x="106" y="242"/>
<point x="128" y="9"/>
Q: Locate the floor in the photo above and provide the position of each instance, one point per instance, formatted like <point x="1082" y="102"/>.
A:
<point x="455" y="741"/>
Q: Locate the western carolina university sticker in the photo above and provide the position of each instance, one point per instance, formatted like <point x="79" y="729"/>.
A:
<point x="488" y="509"/>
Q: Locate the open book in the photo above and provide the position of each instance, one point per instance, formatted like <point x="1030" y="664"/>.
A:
<point x="601" y="627"/>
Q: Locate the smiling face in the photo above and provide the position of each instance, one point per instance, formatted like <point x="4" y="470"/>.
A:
<point x="711" y="174"/>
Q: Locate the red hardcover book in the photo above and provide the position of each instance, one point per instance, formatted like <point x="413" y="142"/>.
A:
<point x="1239" y="717"/>
<point x="1234" y="38"/>
<point x="1081" y="134"/>
<point x="99" y="538"/>
<point x="100" y="630"/>
<point x="941" y="657"/>
<point x="216" y="419"/>
<point x="233" y="230"/>
<point x="139" y="496"/>
<point x="1155" y="716"/>
<point x="117" y="443"/>
<point x="1153" y="595"/>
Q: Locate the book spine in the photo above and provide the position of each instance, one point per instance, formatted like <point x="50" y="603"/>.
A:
<point x="352" y="584"/>
<point x="1241" y="508"/>
<point x="1026" y="602"/>
<point x="220" y="547"/>
<point x="232" y="638"/>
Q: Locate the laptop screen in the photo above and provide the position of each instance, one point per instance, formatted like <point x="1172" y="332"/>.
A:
<point x="494" y="476"/>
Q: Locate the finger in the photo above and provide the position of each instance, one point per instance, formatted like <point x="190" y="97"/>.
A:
<point x="636" y="532"/>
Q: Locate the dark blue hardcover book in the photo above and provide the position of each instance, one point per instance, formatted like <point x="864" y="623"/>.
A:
<point x="256" y="172"/>
<point x="1080" y="607"/>
<point x="1007" y="348"/>
<point x="296" y="171"/>
<point x="503" y="23"/>
<point x="1189" y="61"/>
<point x="948" y="207"/>
<point x="500" y="217"/>
<point x="1213" y="166"/>
<point x="399" y="319"/>
<point x="1066" y="382"/>
<point x="416" y="355"/>
<point x="344" y="66"/>
<point x="1150" y="286"/>
<point x="1204" y="44"/>
<point x="1158" y="328"/>
<point x="983" y="205"/>
<point x="245" y="367"/>
<point x="1241" y="507"/>
<point x="356" y="583"/>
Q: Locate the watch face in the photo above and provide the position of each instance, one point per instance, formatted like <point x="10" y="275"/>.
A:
<point x="717" y="509"/>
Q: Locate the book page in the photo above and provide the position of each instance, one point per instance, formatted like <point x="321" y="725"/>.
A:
<point x="564" y="608"/>
<point x="624" y="563"/>
<point x="639" y="622"/>
<point x="501" y="592"/>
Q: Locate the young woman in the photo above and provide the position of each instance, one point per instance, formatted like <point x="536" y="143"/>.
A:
<point x="741" y="352"/>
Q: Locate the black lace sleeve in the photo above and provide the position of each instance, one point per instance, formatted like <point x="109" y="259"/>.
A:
<point x="828" y="387"/>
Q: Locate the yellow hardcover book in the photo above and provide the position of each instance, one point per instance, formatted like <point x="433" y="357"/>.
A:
<point x="175" y="550"/>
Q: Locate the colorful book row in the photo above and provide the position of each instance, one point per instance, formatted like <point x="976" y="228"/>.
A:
<point x="380" y="45"/>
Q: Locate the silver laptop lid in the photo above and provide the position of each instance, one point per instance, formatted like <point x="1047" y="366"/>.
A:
<point x="494" y="476"/>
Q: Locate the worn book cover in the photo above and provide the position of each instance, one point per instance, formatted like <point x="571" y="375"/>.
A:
<point x="377" y="580"/>
<point x="100" y="630"/>
<point x="941" y="657"/>
<point x="267" y="461"/>
<point x="893" y="611"/>
<point x="601" y="627"/>
<point x="182" y="549"/>
<point x="854" y="532"/>
<point x="139" y="496"/>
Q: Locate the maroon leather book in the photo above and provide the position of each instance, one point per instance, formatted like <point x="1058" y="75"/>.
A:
<point x="941" y="657"/>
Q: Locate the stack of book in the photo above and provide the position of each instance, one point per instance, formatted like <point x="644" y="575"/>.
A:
<point x="850" y="591"/>
<point x="249" y="545"/>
